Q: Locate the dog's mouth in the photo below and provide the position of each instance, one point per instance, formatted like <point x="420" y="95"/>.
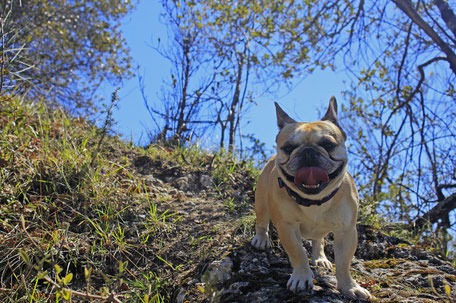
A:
<point x="313" y="179"/>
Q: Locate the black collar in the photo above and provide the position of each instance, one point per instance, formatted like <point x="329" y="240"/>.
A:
<point x="304" y="201"/>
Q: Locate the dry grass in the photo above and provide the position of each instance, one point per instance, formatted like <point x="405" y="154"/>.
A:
<point x="76" y="220"/>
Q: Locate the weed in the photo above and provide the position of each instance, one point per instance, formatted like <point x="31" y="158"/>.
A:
<point x="229" y="204"/>
<point x="107" y="124"/>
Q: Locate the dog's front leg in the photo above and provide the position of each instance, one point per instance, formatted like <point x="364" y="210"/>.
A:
<point x="344" y="249"/>
<point x="302" y="277"/>
<point x="261" y="238"/>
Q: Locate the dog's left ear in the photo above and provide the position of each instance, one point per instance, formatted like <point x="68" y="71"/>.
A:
<point x="331" y="113"/>
<point x="282" y="117"/>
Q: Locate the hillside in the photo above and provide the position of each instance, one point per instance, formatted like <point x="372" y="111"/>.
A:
<point x="91" y="217"/>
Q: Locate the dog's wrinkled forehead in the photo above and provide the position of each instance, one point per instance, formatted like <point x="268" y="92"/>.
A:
<point x="309" y="133"/>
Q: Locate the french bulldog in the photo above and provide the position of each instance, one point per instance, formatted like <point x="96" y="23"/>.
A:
<point x="306" y="191"/>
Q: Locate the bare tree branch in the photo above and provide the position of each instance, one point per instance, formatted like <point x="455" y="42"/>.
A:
<point x="447" y="15"/>
<point x="407" y="8"/>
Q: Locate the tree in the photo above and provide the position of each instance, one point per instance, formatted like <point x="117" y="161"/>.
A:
<point x="254" y="45"/>
<point x="183" y="111"/>
<point x="402" y="107"/>
<point x="62" y="49"/>
<point x="263" y="45"/>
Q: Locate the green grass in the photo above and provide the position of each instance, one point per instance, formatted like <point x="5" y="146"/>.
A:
<point x="77" y="221"/>
<point x="65" y="210"/>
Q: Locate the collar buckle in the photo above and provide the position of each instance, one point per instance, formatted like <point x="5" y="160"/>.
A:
<point x="281" y="183"/>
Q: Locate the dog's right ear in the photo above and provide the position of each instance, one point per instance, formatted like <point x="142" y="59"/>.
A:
<point x="331" y="113"/>
<point x="282" y="117"/>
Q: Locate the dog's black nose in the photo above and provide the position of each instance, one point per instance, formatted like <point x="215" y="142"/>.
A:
<point x="309" y="157"/>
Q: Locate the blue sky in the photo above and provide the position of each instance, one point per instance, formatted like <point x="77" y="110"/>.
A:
<point x="141" y="30"/>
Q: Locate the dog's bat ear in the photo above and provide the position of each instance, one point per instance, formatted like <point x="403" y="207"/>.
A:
<point x="282" y="117"/>
<point x="331" y="113"/>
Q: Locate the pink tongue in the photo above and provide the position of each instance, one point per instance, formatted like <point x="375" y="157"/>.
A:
<point x="311" y="176"/>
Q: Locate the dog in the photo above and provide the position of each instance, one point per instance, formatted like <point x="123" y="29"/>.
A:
<point x="306" y="191"/>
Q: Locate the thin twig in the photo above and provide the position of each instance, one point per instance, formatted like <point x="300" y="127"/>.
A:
<point x="27" y="234"/>
<point x="110" y="298"/>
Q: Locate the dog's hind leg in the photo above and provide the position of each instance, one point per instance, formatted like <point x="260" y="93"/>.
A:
<point x="318" y="254"/>
<point x="261" y="239"/>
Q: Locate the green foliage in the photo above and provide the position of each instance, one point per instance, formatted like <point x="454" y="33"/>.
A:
<point x="276" y="34"/>
<point x="62" y="49"/>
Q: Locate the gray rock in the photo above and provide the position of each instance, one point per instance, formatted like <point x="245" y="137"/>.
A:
<point x="182" y="183"/>
<point x="205" y="181"/>
<point x="173" y="192"/>
<point x="218" y="271"/>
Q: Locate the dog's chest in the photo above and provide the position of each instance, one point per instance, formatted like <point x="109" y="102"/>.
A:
<point x="314" y="231"/>
<point x="314" y="227"/>
<point x="316" y="223"/>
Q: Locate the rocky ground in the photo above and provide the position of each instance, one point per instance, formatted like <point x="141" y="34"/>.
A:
<point x="214" y="262"/>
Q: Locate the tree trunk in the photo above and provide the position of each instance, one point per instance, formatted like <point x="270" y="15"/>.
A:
<point x="438" y="212"/>
<point x="234" y="104"/>
<point x="181" y="123"/>
<point x="222" y="137"/>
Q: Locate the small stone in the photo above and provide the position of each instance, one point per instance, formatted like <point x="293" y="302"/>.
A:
<point x="181" y="295"/>
<point x="218" y="271"/>
<point x="239" y="285"/>
<point x="206" y="181"/>
<point x="182" y="183"/>
<point x="142" y="161"/>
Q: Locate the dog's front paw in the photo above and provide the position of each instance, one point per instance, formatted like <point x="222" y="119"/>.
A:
<point x="355" y="292"/>
<point x="300" y="281"/>
<point x="322" y="262"/>
<point x="261" y="241"/>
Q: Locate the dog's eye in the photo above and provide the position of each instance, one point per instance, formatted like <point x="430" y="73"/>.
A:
<point x="328" y="145"/>
<point x="288" y="149"/>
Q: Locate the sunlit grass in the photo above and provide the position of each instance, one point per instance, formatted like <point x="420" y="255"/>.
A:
<point x="78" y="221"/>
<point x="62" y="208"/>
